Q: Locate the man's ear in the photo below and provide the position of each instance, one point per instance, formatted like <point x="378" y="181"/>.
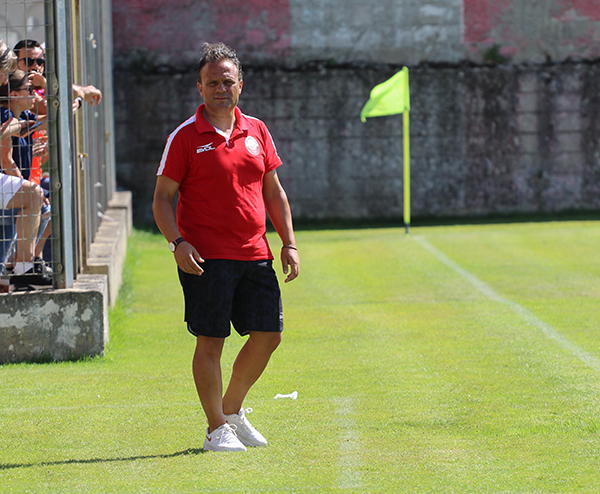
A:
<point x="199" y="86"/>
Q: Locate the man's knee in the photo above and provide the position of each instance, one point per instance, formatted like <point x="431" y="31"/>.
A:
<point x="267" y="340"/>
<point x="33" y="195"/>
<point x="208" y="347"/>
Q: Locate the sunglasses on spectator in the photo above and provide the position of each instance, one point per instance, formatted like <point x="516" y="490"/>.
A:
<point x="30" y="61"/>
<point x="29" y="89"/>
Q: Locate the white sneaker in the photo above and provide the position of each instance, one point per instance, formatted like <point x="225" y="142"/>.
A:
<point x="223" y="438"/>
<point x="244" y="429"/>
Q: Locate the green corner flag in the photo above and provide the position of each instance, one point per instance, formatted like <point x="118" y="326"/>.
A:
<point x="388" y="98"/>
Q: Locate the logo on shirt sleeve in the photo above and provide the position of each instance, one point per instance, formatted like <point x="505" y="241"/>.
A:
<point x="252" y="146"/>
<point x="206" y="147"/>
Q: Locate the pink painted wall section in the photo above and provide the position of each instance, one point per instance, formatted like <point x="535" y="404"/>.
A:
<point x="481" y="17"/>
<point x="150" y="24"/>
<point x="176" y="29"/>
<point x="263" y="24"/>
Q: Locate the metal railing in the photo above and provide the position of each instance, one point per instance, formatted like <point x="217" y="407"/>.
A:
<point x="77" y="39"/>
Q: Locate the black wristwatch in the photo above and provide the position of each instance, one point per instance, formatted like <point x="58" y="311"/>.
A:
<point x="173" y="245"/>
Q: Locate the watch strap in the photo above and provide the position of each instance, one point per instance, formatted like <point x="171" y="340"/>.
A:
<point x="176" y="242"/>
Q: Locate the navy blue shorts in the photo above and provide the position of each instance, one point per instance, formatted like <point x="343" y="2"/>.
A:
<point x="243" y="293"/>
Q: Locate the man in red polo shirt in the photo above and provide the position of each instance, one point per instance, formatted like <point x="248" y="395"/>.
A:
<point x="223" y="163"/>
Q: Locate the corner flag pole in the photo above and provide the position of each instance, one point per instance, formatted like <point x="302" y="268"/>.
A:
<point x="390" y="98"/>
<point x="406" y="132"/>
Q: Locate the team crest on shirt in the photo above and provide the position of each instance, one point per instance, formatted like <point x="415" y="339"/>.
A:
<point x="252" y="146"/>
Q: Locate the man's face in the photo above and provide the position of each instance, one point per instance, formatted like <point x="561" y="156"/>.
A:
<point x="31" y="60"/>
<point x="220" y="87"/>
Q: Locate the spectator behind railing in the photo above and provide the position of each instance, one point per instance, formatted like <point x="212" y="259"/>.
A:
<point x="16" y="99"/>
<point x="18" y="193"/>
<point x="31" y="59"/>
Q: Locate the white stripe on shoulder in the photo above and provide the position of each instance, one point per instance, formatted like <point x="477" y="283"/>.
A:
<point x="163" y="160"/>
<point x="250" y="117"/>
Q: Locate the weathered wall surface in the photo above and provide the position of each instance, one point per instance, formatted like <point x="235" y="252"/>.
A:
<point x="387" y="31"/>
<point x="172" y="31"/>
<point x="533" y="30"/>
<point x="54" y="325"/>
<point x="292" y="32"/>
<point x="516" y="137"/>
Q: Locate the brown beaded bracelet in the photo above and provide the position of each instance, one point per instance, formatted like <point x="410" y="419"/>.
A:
<point x="289" y="247"/>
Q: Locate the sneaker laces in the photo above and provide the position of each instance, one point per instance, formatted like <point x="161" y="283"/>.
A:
<point x="243" y="421"/>
<point x="231" y="428"/>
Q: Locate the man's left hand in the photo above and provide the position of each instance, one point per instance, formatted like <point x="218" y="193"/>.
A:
<point x="290" y="262"/>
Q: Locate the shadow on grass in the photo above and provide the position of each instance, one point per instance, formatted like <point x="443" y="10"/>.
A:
<point x="186" y="452"/>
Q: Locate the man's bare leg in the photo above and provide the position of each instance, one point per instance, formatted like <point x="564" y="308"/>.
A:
<point x="28" y="200"/>
<point x="206" y="367"/>
<point x="39" y="248"/>
<point x="248" y="367"/>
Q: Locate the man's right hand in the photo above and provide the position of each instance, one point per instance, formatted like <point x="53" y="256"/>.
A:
<point x="188" y="259"/>
<point x="37" y="79"/>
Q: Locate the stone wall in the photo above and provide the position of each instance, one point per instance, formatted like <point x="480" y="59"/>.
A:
<point x="503" y="101"/>
<point x="484" y="139"/>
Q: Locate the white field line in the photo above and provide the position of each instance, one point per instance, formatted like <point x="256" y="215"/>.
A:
<point x="524" y="313"/>
<point x="349" y="445"/>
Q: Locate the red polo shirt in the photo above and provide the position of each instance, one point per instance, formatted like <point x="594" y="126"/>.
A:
<point x="221" y="210"/>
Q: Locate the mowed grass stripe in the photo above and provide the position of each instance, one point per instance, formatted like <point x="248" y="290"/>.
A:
<point x="552" y="269"/>
<point x="482" y="361"/>
<point x="527" y="316"/>
<point x="409" y="380"/>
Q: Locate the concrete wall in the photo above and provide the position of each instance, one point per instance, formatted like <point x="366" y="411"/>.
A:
<point x="388" y="31"/>
<point x="506" y="139"/>
<point x="486" y="137"/>
<point x="51" y="325"/>
<point x="292" y="32"/>
<point x="533" y="30"/>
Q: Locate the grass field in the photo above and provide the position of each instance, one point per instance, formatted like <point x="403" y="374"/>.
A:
<point x="459" y="359"/>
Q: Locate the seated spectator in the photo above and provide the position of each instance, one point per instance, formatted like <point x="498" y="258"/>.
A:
<point x="16" y="156"/>
<point x="17" y="193"/>
<point x="16" y="101"/>
<point x="30" y="59"/>
<point x="27" y="198"/>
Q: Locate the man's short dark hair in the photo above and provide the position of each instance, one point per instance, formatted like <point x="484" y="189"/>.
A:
<point x="26" y="43"/>
<point x="216" y="52"/>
